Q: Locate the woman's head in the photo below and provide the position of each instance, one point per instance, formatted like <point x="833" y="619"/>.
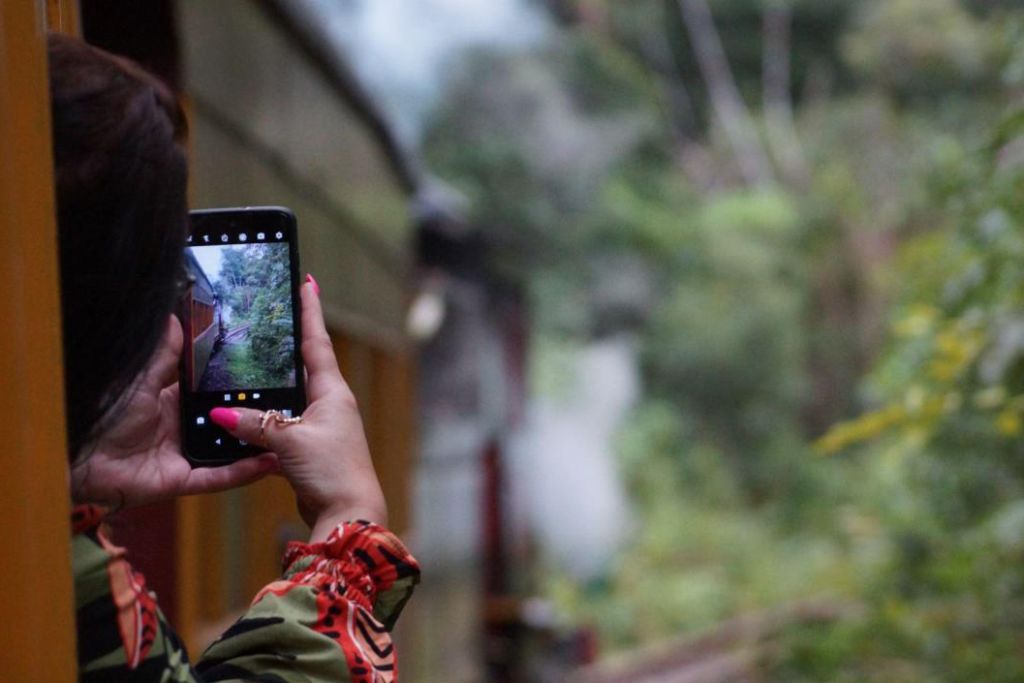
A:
<point x="120" y="166"/>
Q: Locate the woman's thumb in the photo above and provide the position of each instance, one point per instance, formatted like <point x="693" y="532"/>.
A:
<point x="245" y="424"/>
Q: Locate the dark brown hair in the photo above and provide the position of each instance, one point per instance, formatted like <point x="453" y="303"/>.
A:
<point x="121" y="174"/>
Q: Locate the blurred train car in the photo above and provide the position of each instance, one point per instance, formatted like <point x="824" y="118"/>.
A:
<point x="275" y="118"/>
<point x="199" y="320"/>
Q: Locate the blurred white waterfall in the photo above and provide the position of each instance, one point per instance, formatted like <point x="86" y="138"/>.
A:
<point x="565" y="473"/>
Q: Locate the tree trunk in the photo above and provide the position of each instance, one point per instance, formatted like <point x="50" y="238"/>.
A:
<point x="728" y="106"/>
<point x="778" y="106"/>
<point x="657" y="52"/>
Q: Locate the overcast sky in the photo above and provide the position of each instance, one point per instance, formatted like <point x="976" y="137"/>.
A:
<point x="209" y="258"/>
<point x="403" y="50"/>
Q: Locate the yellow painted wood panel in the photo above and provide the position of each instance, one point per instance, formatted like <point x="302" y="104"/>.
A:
<point x="383" y="382"/>
<point x="188" y="569"/>
<point x="270" y="521"/>
<point x="37" y="640"/>
<point x="392" y="430"/>
<point x="200" y="567"/>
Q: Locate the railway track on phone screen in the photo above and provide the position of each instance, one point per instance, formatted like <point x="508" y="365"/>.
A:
<point x="237" y="333"/>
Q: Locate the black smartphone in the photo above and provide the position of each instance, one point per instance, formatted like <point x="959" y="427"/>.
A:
<point x="240" y="313"/>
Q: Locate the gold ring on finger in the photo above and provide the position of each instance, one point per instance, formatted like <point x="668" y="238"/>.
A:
<point x="278" y="418"/>
<point x="264" y="419"/>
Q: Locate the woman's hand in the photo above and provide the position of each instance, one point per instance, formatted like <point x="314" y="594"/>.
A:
<point x="138" y="460"/>
<point x="325" y="457"/>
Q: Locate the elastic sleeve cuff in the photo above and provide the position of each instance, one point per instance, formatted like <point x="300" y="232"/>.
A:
<point x="362" y="560"/>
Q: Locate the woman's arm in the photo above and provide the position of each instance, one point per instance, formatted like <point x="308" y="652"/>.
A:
<point x="329" y="617"/>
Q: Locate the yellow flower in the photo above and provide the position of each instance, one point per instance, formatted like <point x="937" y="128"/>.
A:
<point x="955" y="350"/>
<point x="918" y="321"/>
<point x="862" y="429"/>
<point x="1008" y="423"/>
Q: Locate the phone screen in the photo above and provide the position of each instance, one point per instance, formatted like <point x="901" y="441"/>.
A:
<point x="241" y="320"/>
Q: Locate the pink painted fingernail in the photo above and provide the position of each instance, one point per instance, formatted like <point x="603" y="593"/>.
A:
<point x="226" y="418"/>
<point x="312" y="280"/>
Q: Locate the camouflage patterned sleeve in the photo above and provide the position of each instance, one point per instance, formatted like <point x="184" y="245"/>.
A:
<point x="328" y="619"/>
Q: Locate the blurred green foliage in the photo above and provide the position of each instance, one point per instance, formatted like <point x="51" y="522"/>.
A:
<point x="925" y="47"/>
<point x="873" y="314"/>
<point x="948" y="391"/>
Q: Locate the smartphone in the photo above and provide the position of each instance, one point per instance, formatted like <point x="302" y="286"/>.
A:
<point x="240" y="313"/>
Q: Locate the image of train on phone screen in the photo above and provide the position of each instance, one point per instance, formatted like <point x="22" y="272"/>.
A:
<point x="239" y="317"/>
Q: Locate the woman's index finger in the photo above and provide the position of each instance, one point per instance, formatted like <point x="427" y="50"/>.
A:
<point x="317" y="349"/>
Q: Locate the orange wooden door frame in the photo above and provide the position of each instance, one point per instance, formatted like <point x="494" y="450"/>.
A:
<point x="37" y="636"/>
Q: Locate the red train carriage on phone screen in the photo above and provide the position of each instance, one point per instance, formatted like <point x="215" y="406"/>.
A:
<point x="199" y="316"/>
